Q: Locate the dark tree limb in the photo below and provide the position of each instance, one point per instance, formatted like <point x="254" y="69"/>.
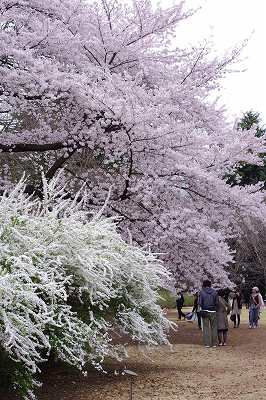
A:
<point x="125" y="194"/>
<point x="34" y="147"/>
<point x="59" y="164"/>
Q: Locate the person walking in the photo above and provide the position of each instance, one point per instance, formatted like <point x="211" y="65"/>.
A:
<point x="196" y="309"/>
<point x="236" y="309"/>
<point x="254" y="308"/>
<point x="261" y="303"/>
<point x="223" y="309"/>
<point x="179" y="305"/>
<point x="208" y="301"/>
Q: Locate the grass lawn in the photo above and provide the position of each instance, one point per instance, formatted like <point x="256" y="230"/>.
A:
<point x="244" y="315"/>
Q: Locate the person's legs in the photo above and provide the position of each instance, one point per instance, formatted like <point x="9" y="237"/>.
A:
<point x="251" y="317"/>
<point x="238" y="320"/>
<point x="225" y="334"/>
<point x="206" y="331"/>
<point x="255" y="317"/>
<point x="220" y="337"/>
<point x="179" y="311"/>
<point x="214" y="332"/>
<point x="199" y="320"/>
<point x="182" y="314"/>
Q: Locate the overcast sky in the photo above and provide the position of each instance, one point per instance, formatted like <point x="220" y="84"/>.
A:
<point x="229" y="22"/>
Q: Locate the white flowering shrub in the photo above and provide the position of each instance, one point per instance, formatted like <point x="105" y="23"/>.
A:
<point x="67" y="280"/>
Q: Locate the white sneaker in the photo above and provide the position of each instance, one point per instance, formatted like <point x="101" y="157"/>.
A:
<point x="207" y="347"/>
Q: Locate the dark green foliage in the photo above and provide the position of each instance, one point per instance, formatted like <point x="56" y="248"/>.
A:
<point x="248" y="274"/>
<point x="168" y="299"/>
<point x="249" y="119"/>
<point x="249" y="267"/>
<point x="15" y="375"/>
<point x="249" y="174"/>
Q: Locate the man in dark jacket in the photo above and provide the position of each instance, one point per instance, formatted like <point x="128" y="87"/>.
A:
<point x="208" y="301"/>
<point x="179" y="304"/>
<point x="196" y="308"/>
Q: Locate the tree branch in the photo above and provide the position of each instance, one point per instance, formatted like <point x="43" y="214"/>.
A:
<point x="59" y="164"/>
<point x="35" y="147"/>
<point x="193" y="66"/>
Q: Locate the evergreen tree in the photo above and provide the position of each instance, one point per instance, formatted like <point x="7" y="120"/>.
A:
<point x="250" y="174"/>
<point x="249" y="268"/>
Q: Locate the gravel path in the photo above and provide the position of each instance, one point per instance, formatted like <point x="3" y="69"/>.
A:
<point x="187" y="371"/>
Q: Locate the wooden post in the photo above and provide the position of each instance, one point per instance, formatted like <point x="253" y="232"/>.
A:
<point x="132" y="374"/>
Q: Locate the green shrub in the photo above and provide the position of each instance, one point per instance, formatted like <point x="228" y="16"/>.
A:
<point x="189" y="300"/>
<point x="168" y="299"/>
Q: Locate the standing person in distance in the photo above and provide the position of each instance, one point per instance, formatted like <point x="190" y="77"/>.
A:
<point x="179" y="305"/>
<point x="254" y="308"/>
<point x="223" y="309"/>
<point x="236" y="308"/>
<point x="196" y="308"/>
<point x="261" y="302"/>
<point x="208" y="301"/>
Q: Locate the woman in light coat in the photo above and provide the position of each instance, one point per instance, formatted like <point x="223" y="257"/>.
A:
<point x="236" y="309"/>
<point x="223" y="309"/>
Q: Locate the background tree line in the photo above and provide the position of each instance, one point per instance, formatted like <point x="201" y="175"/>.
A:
<point x="249" y="268"/>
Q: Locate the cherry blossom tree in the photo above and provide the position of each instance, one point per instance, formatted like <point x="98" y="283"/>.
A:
<point x="99" y="89"/>
<point x="250" y="253"/>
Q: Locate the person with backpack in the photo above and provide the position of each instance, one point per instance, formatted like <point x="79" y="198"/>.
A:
<point x="208" y="301"/>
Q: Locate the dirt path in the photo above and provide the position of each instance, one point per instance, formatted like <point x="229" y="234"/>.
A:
<point x="188" y="371"/>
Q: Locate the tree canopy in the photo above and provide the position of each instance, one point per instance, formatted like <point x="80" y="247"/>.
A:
<point x="99" y="89"/>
